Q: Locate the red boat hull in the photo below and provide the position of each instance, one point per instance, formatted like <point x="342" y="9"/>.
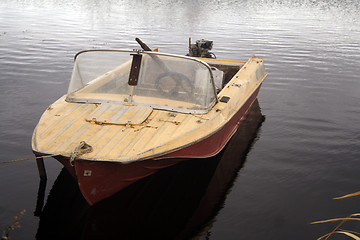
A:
<point x="100" y="180"/>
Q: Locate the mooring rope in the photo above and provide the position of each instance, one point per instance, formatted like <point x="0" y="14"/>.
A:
<point x="26" y="159"/>
<point x="81" y="149"/>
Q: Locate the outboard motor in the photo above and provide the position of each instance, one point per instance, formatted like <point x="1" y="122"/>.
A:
<point x="201" y="49"/>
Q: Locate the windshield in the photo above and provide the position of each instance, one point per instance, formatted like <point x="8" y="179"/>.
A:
<point x="157" y="80"/>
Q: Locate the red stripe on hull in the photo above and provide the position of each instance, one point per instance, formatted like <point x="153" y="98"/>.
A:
<point x="99" y="180"/>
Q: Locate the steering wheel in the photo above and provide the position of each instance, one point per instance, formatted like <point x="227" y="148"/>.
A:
<point x="171" y="83"/>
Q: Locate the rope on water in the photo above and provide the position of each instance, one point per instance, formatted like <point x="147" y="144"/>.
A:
<point x="26" y="159"/>
<point x="81" y="149"/>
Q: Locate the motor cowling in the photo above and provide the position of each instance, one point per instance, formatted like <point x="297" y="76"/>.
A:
<point x="201" y="48"/>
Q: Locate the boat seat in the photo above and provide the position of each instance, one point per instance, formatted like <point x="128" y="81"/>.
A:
<point x="219" y="77"/>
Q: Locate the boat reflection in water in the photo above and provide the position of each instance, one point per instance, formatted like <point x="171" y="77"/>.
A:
<point x="174" y="203"/>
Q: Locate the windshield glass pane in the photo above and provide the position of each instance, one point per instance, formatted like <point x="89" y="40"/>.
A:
<point x="164" y="81"/>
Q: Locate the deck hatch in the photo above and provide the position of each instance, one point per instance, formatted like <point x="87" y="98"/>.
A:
<point x="119" y="114"/>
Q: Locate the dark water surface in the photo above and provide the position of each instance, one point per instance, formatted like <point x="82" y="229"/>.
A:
<point x="306" y="152"/>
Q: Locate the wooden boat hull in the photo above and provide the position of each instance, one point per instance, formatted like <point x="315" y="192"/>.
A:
<point x="134" y="126"/>
<point x="100" y="180"/>
<point x="180" y="200"/>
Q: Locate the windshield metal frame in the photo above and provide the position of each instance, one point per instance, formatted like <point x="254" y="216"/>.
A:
<point x="69" y="99"/>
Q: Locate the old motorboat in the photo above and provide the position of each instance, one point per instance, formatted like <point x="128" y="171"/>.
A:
<point x="128" y="114"/>
<point x="174" y="203"/>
